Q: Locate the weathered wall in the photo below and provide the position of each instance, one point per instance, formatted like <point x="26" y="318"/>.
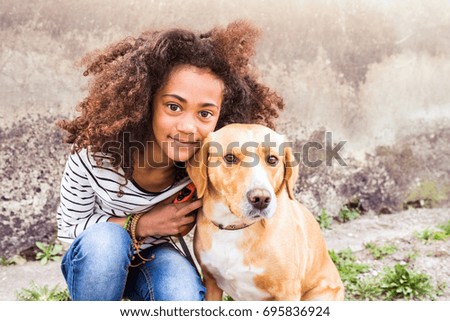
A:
<point x="375" y="74"/>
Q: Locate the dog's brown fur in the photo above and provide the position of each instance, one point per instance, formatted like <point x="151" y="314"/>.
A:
<point x="280" y="255"/>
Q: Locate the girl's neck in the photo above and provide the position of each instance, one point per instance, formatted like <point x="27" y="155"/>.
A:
<point x="151" y="175"/>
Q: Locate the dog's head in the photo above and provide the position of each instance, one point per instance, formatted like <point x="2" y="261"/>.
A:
<point x="240" y="171"/>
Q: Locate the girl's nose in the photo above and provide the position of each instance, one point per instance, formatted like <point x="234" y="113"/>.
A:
<point x="186" y="125"/>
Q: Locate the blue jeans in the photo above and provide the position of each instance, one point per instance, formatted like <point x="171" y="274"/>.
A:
<point x="97" y="267"/>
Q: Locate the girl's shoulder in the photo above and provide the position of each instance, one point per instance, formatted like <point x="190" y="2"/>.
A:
<point x="99" y="164"/>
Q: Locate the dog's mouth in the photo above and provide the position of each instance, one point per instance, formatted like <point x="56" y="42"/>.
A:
<point x="250" y="216"/>
<point x="256" y="214"/>
<point x="237" y="219"/>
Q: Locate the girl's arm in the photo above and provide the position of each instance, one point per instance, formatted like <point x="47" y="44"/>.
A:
<point x="77" y="201"/>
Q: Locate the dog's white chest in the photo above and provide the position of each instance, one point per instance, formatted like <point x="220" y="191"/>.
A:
<point x="225" y="261"/>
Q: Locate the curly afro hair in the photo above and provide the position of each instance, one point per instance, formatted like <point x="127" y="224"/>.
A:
<point x="127" y="74"/>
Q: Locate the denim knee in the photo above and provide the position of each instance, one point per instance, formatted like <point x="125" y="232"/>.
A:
<point x="103" y="243"/>
<point x="96" y="264"/>
<point x="173" y="277"/>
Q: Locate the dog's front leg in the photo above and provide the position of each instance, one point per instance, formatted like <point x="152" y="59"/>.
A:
<point x="213" y="292"/>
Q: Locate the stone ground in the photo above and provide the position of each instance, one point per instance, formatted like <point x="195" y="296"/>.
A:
<point x="398" y="229"/>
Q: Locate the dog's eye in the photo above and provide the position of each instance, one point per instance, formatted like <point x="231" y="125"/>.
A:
<point x="272" y="160"/>
<point x="230" y="159"/>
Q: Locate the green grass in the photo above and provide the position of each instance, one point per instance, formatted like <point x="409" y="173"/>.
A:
<point x="349" y="270"/>
<point x="446" y="228"/>
<point x="398" y="282"/>
<point x="441" y="233"/>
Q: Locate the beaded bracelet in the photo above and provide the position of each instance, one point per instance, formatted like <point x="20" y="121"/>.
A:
<point x="127" y="221"/>
<point x="131" y="228"/>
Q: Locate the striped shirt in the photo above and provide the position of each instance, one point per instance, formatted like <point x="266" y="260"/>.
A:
<point x="90" y="194"/>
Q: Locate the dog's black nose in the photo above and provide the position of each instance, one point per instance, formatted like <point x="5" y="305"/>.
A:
<point x="259" y="198"/>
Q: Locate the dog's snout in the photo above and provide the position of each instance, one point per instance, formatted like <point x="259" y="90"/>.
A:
<point x="260" y="198"/>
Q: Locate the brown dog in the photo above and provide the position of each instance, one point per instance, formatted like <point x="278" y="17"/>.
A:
<point x="253" y="239"/>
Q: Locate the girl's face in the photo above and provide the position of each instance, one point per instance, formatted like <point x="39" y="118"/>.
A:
<point x="185" y="110"/>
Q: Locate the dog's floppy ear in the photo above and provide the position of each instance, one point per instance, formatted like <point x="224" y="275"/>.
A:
<point x="290" y="171"/>
<point x="197" y="168"/>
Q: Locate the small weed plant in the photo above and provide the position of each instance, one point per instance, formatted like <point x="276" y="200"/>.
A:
<point x="441" y="233"/>
<point x="48" y="252"/>
<point x="379" y="252"/>
<point x="411" y="256"/>
<point x="38" y="293"/>
<point x="365" y="289"/>
<point x="349" y="270"/>
<point x="16" y="259"/>
<point x="399" y="282"/>
<point x="445" y="228"/>
<point x="324" y="220"/>
<point x="429" y="235"/>
<point x="346" y="214"/>
<point x="4" y="261"/>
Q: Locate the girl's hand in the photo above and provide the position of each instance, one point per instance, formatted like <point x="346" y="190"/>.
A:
<point x="168" y="219"/>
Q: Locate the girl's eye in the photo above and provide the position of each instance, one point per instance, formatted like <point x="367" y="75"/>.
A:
<point x="230" y="159"/>
<point x="205" y="114"/>
<point x="272" y="160"/>
<point x="173" y="107"/>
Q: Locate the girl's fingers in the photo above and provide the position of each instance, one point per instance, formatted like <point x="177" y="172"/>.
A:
<point x="188" y="207"/>
<point x="188" y="219"/>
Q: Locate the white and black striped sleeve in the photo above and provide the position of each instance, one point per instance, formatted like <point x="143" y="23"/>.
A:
<point x="76" y="210"/>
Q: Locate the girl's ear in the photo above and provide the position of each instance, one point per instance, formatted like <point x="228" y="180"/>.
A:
<point x="290" y="171"/>
<point x="197" y="168"/>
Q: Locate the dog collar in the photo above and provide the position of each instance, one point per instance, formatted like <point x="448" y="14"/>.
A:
<point x="232" y="227"/>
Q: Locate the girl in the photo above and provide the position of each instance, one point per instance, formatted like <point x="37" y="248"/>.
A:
<point x="151" y="101"/>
